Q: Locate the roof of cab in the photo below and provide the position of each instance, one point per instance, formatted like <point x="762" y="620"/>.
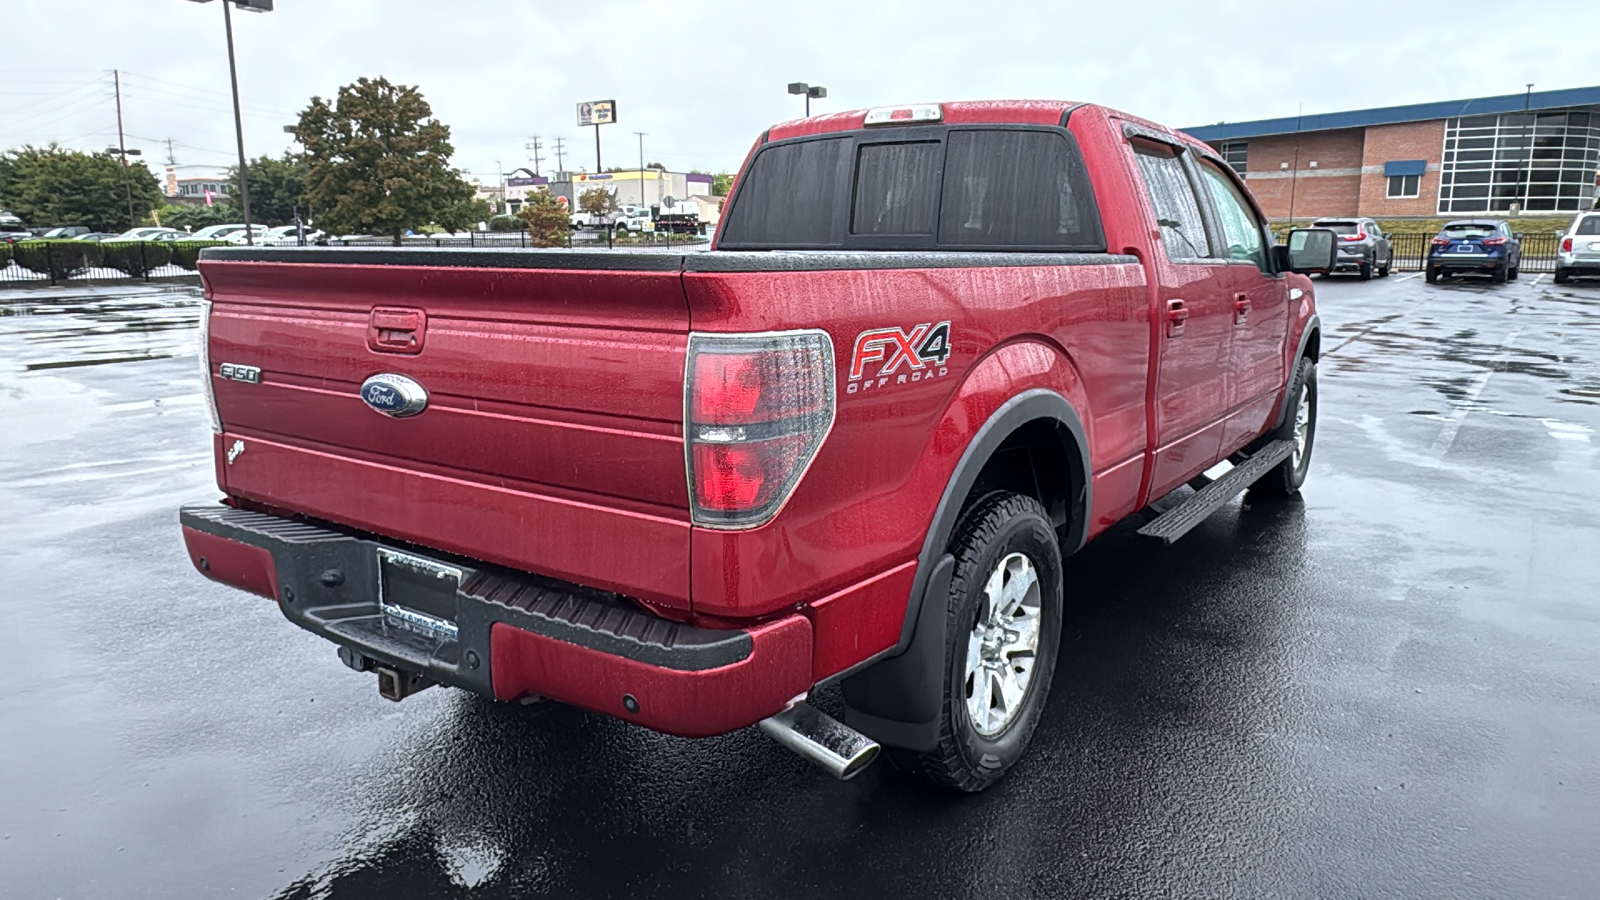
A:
<point x="963" y="112"/>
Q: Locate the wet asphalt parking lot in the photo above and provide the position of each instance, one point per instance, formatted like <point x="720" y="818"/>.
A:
<point x="1388" y="688"/>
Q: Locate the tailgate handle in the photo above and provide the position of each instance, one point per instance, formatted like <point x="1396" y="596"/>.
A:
<point x="396" y="329"/>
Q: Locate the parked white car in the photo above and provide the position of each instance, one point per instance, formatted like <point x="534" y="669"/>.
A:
<point x="232" y="233"/>
<point x="1579" y="253"/>
<point x="151" y="233"/>
<point x="285" y="236"/>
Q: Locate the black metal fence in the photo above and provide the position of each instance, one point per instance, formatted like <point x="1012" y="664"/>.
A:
<point x="1538" y="251"/>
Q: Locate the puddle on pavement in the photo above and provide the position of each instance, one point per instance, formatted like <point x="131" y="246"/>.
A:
<point x="41" y="332"/>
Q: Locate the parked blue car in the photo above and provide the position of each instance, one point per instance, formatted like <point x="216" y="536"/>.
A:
<point x="1475" y="246"/>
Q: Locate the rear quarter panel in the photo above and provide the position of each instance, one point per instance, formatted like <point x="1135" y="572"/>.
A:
<point x="851" y="532"/>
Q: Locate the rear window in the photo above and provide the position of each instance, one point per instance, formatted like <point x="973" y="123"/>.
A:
<point x="789" y="197"/>
<point x="938" y="188"/>
<point x="896" y="188"/>
<point x="1339" y="227"/>
<point x="1468" y="230"/>
<point x="1589" y="225"/>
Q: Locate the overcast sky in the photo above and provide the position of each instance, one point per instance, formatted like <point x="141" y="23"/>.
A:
<point x="705" y="78"/>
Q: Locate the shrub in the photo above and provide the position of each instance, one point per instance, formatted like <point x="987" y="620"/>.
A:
<point x="136" y="258"/>
<point x="186" y="254"/>
<point x="5" y="254"/>
<point x="58" y="259"/>
<point x="507" y="223"/>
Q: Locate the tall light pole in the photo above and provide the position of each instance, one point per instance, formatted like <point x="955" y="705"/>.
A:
<point x="259" y="6"/>
<point x="809" y="91"/>
<point x="1525" y="181"/>
<point x="641" y="135"/>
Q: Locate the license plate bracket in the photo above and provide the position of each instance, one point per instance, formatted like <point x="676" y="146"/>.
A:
<point x="418" y="594"/>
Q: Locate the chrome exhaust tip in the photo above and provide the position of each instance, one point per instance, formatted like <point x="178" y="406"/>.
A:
<point x="831" y="745"/>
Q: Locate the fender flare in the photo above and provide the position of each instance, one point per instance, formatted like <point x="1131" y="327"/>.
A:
<point x="1313" y="327"/>
<point x="896" y="699"/>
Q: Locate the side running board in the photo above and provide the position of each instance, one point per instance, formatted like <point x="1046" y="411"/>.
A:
<point x="1177" y="522"/>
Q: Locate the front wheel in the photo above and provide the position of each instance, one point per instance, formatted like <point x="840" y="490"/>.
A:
<point x="1383" y="270"/>
<point x="1299" y="426"/>
<point x="1002" y="634"/>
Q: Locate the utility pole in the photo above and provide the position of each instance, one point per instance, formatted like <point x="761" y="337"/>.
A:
<point x="641" y="135"/>
<point x="560" y="166"/>
<point x="533" y="146"/>
<point x="122" y="147"/>
<point x="1526" y="180"/>
<point x="172" y="157"/>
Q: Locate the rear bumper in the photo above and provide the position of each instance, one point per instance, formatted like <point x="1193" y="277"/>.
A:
<point x="515" y="634"/>
<point x="1467" y="261"/>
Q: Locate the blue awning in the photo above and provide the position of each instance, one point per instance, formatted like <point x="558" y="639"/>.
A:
<point x="1405" y="167"/>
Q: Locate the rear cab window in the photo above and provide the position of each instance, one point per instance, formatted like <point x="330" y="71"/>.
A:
<point x="976" y="188"/>
<point x="1339" y="227"/>
<point x="1588" y="225"/>
<point x="1461" y="231"/>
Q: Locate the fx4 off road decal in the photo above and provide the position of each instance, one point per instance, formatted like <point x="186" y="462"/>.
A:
<point x="888" y="356"/>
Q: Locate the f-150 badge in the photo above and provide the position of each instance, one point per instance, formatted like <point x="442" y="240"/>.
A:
<point x="394" y="395"/>
<point x="885" y="356"/>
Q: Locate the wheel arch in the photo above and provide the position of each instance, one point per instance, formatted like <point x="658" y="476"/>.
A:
<point x="896" y="700"/>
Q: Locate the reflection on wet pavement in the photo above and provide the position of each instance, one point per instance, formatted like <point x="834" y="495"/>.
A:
<point x="86" y="327"/>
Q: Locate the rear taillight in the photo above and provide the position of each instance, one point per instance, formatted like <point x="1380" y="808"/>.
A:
<point x="1441" y="242"/>
<point x="1358" y="236"/>
<point x="1493" y="242"/>
<point x="205" y="365"/>
<point x="757" y="408"/>
<point x="1566" y="246"/>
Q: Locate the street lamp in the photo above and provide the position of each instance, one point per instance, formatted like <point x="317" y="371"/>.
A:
<point x="259" y="6"/>
<point x="809" y="91"/>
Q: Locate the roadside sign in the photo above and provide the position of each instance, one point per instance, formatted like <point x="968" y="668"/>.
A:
<point x="562" y="201"/>
<point x="597" y="112"/>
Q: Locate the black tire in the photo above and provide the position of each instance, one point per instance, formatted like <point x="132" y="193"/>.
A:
<point x="1383" y="270"/>
<point x="1366" y="271"/>
<point x="1431" y="275"/>
<point x="1514" y="272"/>
<point x="1285" y="479"/>
<point x="1500" y="274"/>
<point x="996" y="527"/>
<point x="1563" y="275"/>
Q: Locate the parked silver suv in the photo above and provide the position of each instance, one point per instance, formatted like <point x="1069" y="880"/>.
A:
<point x="1579" y="253"/>
<point x="1362" y="246"/>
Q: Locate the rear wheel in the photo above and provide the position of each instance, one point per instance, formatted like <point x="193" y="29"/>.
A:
<point x="1366" y="271"/>
<point x="1563" y="275"/>
<point x="1002" y="635"/>
<point x="1514" y="272"/>
<point x="1300" y="426"/>
<point x="1500" y="274"/>
<point x="1383" y="270"/>
<point x="1431" y="275"/>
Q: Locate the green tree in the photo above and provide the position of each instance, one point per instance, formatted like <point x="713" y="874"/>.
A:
<point x="721" y="183"/>
<point x="194" y="218"/>
<point x="549" y="225"/>
<point x="465" y="216"/>
<point x="377" y="161"/>
<point x="54" y="186"/>
<point x="276" y="188"/>
<point x="597" y="202"/>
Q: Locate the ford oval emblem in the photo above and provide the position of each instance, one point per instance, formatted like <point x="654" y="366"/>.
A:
<point x="394" y="395"/>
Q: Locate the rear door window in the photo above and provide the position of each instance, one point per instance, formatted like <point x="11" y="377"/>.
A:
<point x="897" y="188"/>
<point x="1183" y="232"/>
<point x="1589" y="225"/>
<point x="1016" y="189"/>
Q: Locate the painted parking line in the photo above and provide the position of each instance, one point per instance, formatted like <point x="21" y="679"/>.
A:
<point x="1539" y="279"/>
<point x="1452" y="424"/>
<point x="1411" y="276"/>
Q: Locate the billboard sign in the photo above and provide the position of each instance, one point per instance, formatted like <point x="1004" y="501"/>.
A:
<point x="597" y="112"/>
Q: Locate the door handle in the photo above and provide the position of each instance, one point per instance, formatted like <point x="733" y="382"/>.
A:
<point x="1177" y="315"/>
<point x="1241" y="308"/>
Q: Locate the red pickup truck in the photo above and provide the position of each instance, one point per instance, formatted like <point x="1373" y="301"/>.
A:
<point x="933" y="350"/>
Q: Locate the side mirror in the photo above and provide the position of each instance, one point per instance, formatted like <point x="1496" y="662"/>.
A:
<point x="1309" y="250"/>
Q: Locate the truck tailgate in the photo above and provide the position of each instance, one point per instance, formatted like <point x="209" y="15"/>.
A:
<point x="552" y="438"/>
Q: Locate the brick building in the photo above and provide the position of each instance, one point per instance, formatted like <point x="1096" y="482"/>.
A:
<point x="1538" y="152"/>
